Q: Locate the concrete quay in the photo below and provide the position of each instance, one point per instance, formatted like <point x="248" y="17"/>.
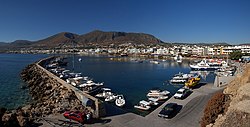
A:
<point x="189" y="115"/>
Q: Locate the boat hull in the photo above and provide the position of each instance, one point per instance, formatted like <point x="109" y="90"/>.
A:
<point x="193" y="67"/>
<point x="142" y="107"/>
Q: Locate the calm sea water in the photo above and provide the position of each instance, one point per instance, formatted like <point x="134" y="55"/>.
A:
<point x="11" y="95"/>
<point x="130" y="78"/>
<point x="123" y="75"/>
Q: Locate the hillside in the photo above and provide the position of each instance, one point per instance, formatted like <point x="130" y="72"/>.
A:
<point x="238" y="112"/>
<point x="100" y="37"/>
<point x="66" y="39"/>
<point x="58" y="40"/>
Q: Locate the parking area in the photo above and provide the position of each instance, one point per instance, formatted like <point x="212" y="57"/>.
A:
<point x="189" y="115"/>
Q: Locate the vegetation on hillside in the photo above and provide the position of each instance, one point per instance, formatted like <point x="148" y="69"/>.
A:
<point x="218" y="104"/>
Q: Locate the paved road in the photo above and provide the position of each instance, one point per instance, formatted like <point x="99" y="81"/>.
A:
<point x="189" y="116"/>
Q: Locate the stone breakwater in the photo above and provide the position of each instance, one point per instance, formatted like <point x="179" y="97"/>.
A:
<point x="49" y="97"/>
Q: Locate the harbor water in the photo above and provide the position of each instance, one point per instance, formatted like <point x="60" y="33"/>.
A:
<point x="12" y="95"/>
<point x="124" y="75"/>
<point x="128" y="76"/>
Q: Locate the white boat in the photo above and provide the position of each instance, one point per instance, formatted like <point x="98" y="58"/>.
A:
<point x="110" y="98"/>
<point x="120" y="101"/>
<point x="157" y="93"/>
<point x="208" y="65"/>
<point x="91" y="89"/>
<point x="80" y="59"/>
<point x="105" y="92"/>
<point x="143" y="105"/>
<point x="153" y="101"/>
<point x="181" y="78"/>
<point x="159" y="98"/>
<point x="154" y="62"/>
<point x="178" y="80"/>
<point x="75" y="74"/>
<point x="74" y="81"/>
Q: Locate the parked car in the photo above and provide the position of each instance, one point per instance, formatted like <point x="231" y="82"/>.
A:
<point x="182" y="93"/>
<point x="169" y="111"/>
<point x="76" y="116"/>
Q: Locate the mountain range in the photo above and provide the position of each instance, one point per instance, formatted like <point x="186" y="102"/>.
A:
<point x="94" y="38"/>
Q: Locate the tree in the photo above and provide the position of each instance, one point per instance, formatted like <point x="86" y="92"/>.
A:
<point x="235" y="55"/>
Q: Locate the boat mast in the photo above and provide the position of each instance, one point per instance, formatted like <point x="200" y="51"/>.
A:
<point x="73" y="62"/>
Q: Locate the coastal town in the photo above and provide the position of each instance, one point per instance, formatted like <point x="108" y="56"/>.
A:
<point x="167" y="49"/>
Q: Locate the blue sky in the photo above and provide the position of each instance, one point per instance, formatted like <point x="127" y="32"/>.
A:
<point x="169" y="20"/>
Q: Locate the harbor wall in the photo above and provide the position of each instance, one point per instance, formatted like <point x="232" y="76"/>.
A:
<point x="54" y="95"/>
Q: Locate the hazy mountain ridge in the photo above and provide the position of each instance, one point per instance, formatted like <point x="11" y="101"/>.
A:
<point x="96" y="37"/>
<point x="101" y="37"/>
<point x="205" y="44"/>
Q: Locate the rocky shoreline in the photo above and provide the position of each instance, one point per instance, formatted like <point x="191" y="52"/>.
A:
<point x="48" y="97"/>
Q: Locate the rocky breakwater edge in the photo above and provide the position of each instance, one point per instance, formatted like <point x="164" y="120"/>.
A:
<point x="49" y="97"/>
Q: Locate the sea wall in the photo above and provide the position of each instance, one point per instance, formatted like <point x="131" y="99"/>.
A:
<point x="238" y="111"/>
<point x="50" y="95"/>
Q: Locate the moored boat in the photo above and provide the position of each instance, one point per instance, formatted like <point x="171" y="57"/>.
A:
<point x="160" y="98"/>
<point x="153" y="101"/>
<point x="192" y="81"/>
<point x="208" y="65"/>
<point x="105" y="92"/>
<point x="154" y="62"/>
<point x="143" y="105"/>
<point x="157" y="93"/>
<point x="120" y="101"/>
<point x="110" y="98"/>
<point x="180" y="78"/>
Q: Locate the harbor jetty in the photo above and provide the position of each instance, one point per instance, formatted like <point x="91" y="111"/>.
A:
<point x="50" y="95"/>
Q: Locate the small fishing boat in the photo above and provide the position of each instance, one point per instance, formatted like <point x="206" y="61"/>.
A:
<point x="180" y="78"/>
<point x="120" y="101"/>
<point x="75" y="81"/>
<point x="143" y="105"/>
<point x="192" y="81"/>
<point x="159" y="98"/>
<point x="110" y="98"/>
<point x="154" y="62"/>
<point x="157" y="93"/>
<point x="153" y="101"/>
<point x="80" y="59"/>
<point x="105" y="92"/>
